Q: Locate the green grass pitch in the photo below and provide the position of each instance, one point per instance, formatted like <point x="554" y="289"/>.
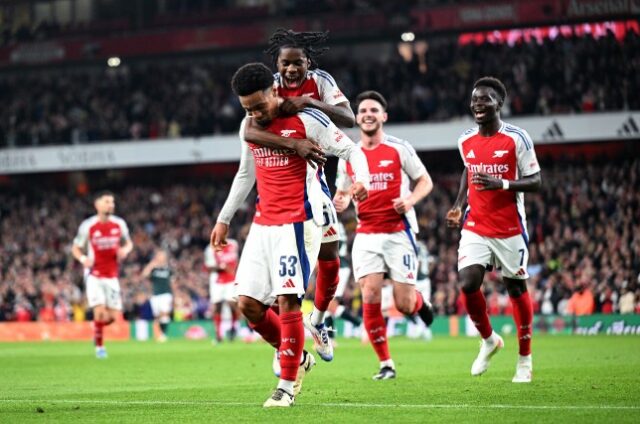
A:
<point x="576" y="379"/>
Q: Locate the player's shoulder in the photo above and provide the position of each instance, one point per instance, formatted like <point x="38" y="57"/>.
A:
<point x="399" y="144"/>
<point x="314" y="116"/>
<point x="517" y="134"/>
<point x="88" y="222"/>
<point x="117" y="220"/>
<point x="467" y="134"/>
<point x="321" y="76"/>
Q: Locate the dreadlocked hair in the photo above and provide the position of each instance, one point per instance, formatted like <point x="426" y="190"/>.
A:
<point x="309" y="42"/>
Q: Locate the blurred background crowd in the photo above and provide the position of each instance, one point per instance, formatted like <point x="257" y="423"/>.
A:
<point x="584" y="243"/>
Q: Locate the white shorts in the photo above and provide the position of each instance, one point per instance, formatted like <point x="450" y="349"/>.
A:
<point x="344" y="273"/>
<point x="394" y="253"/>
<point x="278" y="260"/>
<point x="511" y="255"/>
<point x="161" y="304"/>
<point x="219" y="292"/>
<point x="330" y="230"/>
<point x="103" y="291"/>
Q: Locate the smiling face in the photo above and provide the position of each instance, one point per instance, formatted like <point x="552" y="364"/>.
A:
<point x="371" y="116"/>
<point x="261" y="105"/>
<point x="485" y="105"/>
<point x="293" y="65"/>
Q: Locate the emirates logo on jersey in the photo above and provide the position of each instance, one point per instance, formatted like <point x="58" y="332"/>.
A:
<point x="495" y="169"/>
<point x="380" y="180"/>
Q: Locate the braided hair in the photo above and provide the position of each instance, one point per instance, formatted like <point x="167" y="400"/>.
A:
<point x="309" y="42"/>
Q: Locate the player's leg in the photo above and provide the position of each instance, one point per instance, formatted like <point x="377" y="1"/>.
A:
<point x="97" y="299"/>
<point x="293" y="251"/>
<point x="401" y="259"/>
<point x="513" y="255"/>
<point x="474" y="255"/>
<point x="166" y="306"/>
<point x="233" y="308"/>
<point x="217" y="320"/>
<point x="374" y="323"/>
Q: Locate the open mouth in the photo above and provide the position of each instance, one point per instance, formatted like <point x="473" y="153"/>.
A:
<point x="292" y="81"/>
<point x="479" y="114"/>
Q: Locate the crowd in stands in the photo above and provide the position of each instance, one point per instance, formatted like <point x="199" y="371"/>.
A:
<point x="584" y="229"/>
<point x="431" y="83"/>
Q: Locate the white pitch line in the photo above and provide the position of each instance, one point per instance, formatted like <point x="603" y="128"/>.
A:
<point x="329" y="405"/>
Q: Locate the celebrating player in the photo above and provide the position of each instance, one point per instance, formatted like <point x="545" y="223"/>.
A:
<point x="294" y="54"/>
<point x="222" y="266"/>
<point x="162" y="300"/>
<point x="385" y="240"/>
<point x="500" y="164"/>
<point x="102" y="241"/>
<point x="284" y="239"/>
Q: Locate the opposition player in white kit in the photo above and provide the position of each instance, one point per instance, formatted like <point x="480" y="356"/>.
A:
<point x="283" y="243"/>
<point x="102" y="241"/>
<point x="500" y="164"/>
<point x="222" y="265"/>
<point x="385" y="235"/>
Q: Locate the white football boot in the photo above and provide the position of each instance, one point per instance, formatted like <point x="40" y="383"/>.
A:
<point x="488" y="348"/>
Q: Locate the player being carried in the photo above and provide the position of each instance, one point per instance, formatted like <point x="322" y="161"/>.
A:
<point x="385" y="235"/>
<point x="159" y="272"/>
<point x="222" y="266"/>
<point x="300" y="84"/>
<point x="283" y="243"/>
<point x="500" y="164"/>
<point x="102" y="241"/>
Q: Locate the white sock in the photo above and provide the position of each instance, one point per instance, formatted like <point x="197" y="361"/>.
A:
<point x="388" y="363"/>
<point x="286" y="385"/>
<point x="317" y="316"/>
<point x="492" y="338"/>
<point x="524" y="359"/>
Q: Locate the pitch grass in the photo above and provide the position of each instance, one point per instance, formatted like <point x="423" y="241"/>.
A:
<point x="577" y="379"/>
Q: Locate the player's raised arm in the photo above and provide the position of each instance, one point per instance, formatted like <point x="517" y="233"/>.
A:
<point x="340" y="113"/>
<point x="332" y="139"/>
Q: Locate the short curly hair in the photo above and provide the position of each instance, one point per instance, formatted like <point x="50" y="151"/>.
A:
<point x="492" y="82"/>
<point x="372" y="95"/>
<point x="250" y="78"/>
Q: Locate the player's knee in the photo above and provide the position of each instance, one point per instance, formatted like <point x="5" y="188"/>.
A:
<point x="516" y="288"/>
<point x="471" y="278"/>
<point x="405" y="306"/>
<point x="288" y="303"/>
<point x="370" y="295"/>
<point x="328" y="251"/>
<point x="251" y="309"/>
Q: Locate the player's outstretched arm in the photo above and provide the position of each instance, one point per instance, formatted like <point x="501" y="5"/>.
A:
<point x="454" y="215"/>
<point x="242" y="184"/>
<point x="341" y="113"/>
<point x="305" y="148"/>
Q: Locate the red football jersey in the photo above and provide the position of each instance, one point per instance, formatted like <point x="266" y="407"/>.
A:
<point x="508" y="154"/>
<point x="319" y="85"/>
<point x="102" y="241"/>
<point x="393" y="164"/>
<point x="227" y="259"/>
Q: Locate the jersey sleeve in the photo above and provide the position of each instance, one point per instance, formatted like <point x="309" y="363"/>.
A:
<point x="82" y="237"/>
<point x="328" y="89"/>
<point x="526" y="155"/>
<point x="332" y="139"/>
<point x="242" y="182"/>
<point x="343" y="181"/>
<point x="124" y="230"/>
<point x="411" y="163"/>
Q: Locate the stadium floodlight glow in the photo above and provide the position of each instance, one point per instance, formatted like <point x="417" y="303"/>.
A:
<point x="408" y="36"/>
<point x="113" y="62"/>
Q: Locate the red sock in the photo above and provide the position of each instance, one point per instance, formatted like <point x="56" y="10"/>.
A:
<point x="523" y="317"/>
<point x="376" y="329"/>
<point x="217" y="322"/>
<point x="269" y="328"/>
<point x="477" y="309"/>
<point x="326" y="283"/>
<point x="98" y="329"/>
<point x="419" y="303"/>
<point x="292" y="344"/>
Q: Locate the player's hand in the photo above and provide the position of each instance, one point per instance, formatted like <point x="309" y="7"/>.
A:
<point x="402" y="204"/>
<point x="485" y="182"/>
<point x="219" y="236"/>
<point x="86" y="262"/>
<point x="122" y="253"/>
<point x="310" y="151"/>
<point x="453" y="217"/>
<point x="341" y="202"/>
<point x="293" y="105"/>
<point x="359" y="192"/>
